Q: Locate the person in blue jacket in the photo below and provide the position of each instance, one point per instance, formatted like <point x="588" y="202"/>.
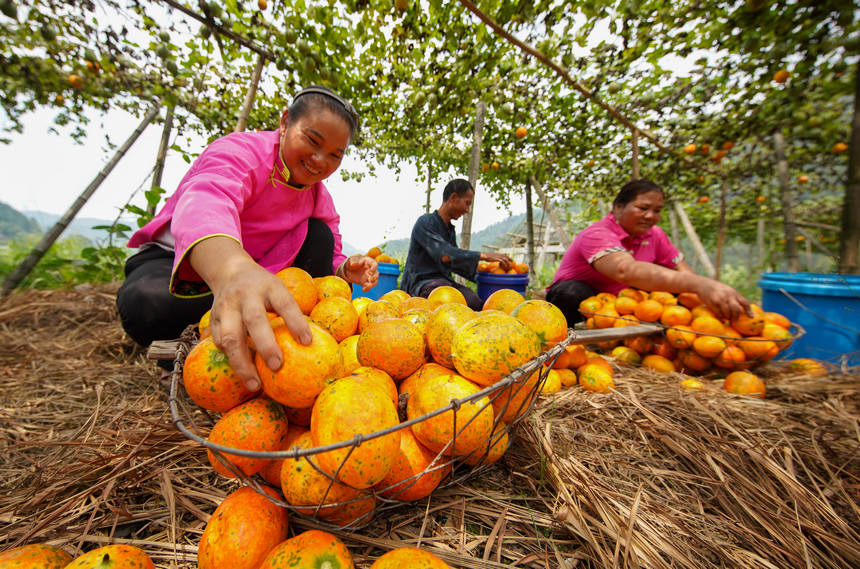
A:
<point x="433" y="252"/>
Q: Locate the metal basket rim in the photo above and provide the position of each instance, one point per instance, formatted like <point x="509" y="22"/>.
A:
<point x="185" y="343"/>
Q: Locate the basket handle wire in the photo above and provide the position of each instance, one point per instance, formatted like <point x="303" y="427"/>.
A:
<point x="174" y="403"/>
<point x="804" y="307"/>
<point x="178" y="407"/>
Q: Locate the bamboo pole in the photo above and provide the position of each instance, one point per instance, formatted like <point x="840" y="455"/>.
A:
<point x="547" y="237"/>
<point x="695" y="241"/>
<point x="577" y="86"/>
<point x="429" y="186"/>
<point x="673" y="227"/>
<point x="721" y="235"/>
<point x="791" y="256"/>
<point x="759" y="240"/>
<point x="547" y="206"/>
<point x="22" y="270"/>
<point x="750" y="263"/>
<point x="634" y="138"/>
<point x="676" y="234"/>
<point x="474" y="168"/>
<point x="250" y="94"/>
<point x="162" y="155"/>
<point x="812" y="241"/>
<point x="530" y="231"/>
<point x="219" y="29"/>
<point x="849" y="236"/>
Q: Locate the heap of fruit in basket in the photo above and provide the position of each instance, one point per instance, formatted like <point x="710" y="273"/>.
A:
<point x="496" y="268"/>
<point x="695" y="339"/>
<point x="364" y="356"/>
<point x="376" y="253"/>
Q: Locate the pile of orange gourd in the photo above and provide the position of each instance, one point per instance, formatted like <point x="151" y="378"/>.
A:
<point x="496" y="268"/>
<point x="371" y="365"/>
<point x="376" y="253"/>
<point x="695" y="339"/>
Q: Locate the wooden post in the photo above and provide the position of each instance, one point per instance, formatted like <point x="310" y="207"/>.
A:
<point x="673" y="227"/>
<point x="635" y="140"/>
<point x="547" y="206"/>
<point x="250" y="94"/>
<point x="162" y="154"/>
<point x="750" y="262"/>
<point x="429" y="186"/>
<point x="721" y="235"/>
<point x="474" y="168"/>
<point x="849" y="236"/>
<point x="695" y="241"/>
<point x="21" y="271"/>
<point x="547" y="239"/>
<point x="791" y="256"/>
<point x="676" y="233"/>
<point x="530" y="232"/>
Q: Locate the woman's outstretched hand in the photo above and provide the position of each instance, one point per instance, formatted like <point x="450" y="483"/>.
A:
<point x="361" y="270"/>
<point x="243" y="292"/>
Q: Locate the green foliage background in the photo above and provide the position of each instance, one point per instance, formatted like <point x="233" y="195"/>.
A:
<point x="690" y="71"/>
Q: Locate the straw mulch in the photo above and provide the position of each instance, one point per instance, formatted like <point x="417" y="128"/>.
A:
<point x="646" y="477"/>
<point x="656" y="476"/>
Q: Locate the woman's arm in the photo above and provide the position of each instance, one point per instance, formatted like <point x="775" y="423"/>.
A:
<point x="722" y="298"/>
<point x="242" y="293"/>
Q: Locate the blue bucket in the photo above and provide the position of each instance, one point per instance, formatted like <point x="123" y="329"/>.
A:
<point x="488" y="283"/>
<point x="388" y="275"/>
<point x="826" y="305"/>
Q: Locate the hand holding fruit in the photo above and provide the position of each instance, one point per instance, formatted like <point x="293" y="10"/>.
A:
<point x="504" y="261"/>
<point x="243" y="292"/>
<point x="724" y="300"/>
<point x="361" y="270"/>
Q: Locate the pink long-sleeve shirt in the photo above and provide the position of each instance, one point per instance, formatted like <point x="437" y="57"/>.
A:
<point x="604" y="237"/>
<point x="229" y="191"/>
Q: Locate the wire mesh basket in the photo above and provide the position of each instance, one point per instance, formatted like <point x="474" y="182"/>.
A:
<point x="343" y="507"/>
<point x="752" y="357"/>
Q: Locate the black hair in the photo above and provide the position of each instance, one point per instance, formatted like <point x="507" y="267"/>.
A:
<point x="457" y="186"/>
<point x="315" y="96"/>
<point x="634" y="188"/>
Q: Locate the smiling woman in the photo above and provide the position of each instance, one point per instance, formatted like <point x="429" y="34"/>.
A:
<point x="626" y="248"/>
<point x="251" y="205"/>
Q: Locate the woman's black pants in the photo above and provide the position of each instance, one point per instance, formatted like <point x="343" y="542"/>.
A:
<point x="149" y="311"/>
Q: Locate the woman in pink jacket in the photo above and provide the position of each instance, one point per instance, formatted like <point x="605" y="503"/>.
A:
<point x="628" y="248"/>
<point x="252" y="204"/>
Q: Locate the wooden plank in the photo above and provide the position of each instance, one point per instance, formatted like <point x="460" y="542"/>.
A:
<point x="511" y="251"/>
<point x="607" y="334"/>
<point x="162" y="350"/>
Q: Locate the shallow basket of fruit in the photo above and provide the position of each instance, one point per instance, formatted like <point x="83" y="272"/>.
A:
<point x="694" y="339"/>
<point x="434" y="429"/>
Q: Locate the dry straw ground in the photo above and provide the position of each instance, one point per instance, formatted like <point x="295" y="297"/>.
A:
<point x="648" y="476"/>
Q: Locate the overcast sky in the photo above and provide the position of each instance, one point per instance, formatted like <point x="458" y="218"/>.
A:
<point x="47" y="172"/>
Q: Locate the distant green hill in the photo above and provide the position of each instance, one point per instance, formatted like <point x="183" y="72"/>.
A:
<point x="15" y="224"/>
<point x="82" y="226"/>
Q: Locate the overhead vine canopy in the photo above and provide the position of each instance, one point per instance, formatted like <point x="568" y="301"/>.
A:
<point x="691" y="71"/>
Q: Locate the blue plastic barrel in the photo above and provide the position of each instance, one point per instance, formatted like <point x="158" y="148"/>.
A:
<point x="488" y="283"/>
<point x="826" y="305"/>
<point x="388" y="275"/>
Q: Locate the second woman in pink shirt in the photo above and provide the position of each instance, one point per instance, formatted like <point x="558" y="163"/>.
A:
<point x="626" y="248"/>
